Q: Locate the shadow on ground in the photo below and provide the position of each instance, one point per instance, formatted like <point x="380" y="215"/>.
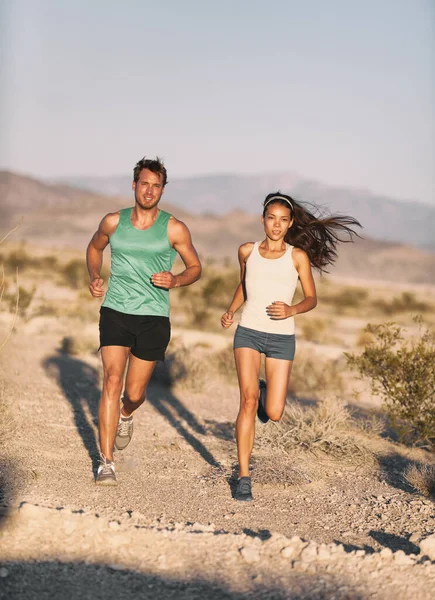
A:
<point x="393" y="468"/>
<point x="52" y="580"/>
<point x="80" y="385"/>
<point x="394" y="542"/>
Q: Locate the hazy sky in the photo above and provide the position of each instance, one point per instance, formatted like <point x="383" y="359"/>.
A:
<point x="340" y="91"/>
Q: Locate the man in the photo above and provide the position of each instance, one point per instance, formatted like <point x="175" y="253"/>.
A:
<point x="134" y="316"/>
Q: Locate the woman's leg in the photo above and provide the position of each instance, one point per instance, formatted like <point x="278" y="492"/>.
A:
<point x="248" y="369"/>
<point x="277" y="377"/>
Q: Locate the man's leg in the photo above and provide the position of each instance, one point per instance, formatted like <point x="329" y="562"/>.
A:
<point x="114" y="362"/>
<point x="138" y="376"/>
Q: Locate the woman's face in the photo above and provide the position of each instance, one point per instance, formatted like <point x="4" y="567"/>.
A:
<point x="277" y="221"/>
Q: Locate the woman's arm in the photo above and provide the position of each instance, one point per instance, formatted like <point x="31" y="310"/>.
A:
<point x="238" y="300"/>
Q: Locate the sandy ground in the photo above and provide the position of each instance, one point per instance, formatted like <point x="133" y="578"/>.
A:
<point x="171" y="528"/>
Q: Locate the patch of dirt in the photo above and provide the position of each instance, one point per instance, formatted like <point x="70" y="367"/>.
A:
<point x="171" y="527"/>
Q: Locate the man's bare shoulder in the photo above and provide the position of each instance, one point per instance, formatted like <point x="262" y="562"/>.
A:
<point x="177" y="227"/>
<point x="110" y="222"/>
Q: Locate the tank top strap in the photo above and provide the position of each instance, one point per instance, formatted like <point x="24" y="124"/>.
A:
<point x="125" y="216"/>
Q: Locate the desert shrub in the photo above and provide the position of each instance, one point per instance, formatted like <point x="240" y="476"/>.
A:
<point x="313" y="375"/>
<point x="75" y="273"/>
<point x="405" y="302"/>
<point x="8" y="423"/>
<point x="326" y="428"/>
<point x="193" y="369"/>
<point x="364" y="338"/>
<point x="19" y="259"/>
<point x="75" y="345"/>
<point x="402" y="372"/>
<point x="313" y="329"/>
<point x="349" y="297"/>
<point x="21" y="299"/>
<point x="421" y="477"/>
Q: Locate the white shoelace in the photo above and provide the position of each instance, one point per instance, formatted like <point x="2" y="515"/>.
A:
<point x="124" y="427"/>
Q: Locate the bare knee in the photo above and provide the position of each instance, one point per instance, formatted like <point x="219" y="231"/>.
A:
<point x="275" y="414"/>
<point x="113" y="383"/>
<point x="135" y="396"/>
<point x="249" y="403"/>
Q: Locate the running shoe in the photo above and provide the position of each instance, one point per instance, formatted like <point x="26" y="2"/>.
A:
<point x="243" y="490"/>
<point x="106" y="472"/>
<point x="124" y="432"/>
<point x="261" y="411"/>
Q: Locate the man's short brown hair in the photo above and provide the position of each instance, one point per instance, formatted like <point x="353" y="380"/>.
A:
<point x="154" y="165"/>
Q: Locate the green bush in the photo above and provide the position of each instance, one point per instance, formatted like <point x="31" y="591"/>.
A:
<point x="402" y="373"/>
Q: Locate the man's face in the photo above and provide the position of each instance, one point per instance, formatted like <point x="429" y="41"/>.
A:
<point x="148" y="189"/>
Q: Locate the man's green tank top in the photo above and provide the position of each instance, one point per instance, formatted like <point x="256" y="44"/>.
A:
<point x="135" y="255"/>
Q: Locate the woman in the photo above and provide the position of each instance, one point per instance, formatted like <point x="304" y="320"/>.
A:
<point x="295" y="242"/>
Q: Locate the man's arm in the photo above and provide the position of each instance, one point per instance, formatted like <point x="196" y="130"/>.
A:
<point x="180" y="239"/>
<point x="94" y="252"/>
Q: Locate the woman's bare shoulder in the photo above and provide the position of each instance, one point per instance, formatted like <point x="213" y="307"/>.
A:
<point x="246" y="249"/>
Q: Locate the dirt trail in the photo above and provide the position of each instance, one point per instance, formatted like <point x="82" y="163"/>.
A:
<point x="171" y="528"/>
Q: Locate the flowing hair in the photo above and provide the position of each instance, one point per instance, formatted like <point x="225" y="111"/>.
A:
<point x="319" y="235"/>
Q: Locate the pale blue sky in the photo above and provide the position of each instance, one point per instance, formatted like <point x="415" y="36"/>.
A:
<point x="339" y="91"/>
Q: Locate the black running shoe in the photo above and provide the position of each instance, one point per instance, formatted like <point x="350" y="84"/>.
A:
<point x="243" y="490"/>
<point x="261" y="412"/>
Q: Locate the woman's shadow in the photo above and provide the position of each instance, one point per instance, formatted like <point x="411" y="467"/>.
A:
<point x="79" y="383"/>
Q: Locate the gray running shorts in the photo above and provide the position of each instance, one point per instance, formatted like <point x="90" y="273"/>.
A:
<point x="273" y="345"/>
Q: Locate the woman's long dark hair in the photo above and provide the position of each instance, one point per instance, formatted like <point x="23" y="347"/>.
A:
<point x="319" y="235"/>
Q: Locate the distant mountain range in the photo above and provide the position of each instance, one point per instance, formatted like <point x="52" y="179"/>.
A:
<point x="60" y="216"/>
<point x="383" y="218"/>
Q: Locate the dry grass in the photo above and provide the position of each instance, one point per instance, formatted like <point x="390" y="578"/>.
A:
<point x="192" y="370"/>
<point x="312" y="375"/>
<point x="8" y="424"/>
<point x="76" y="345"/>
<point x="314" y="329"/>
<point x="325" y="429"/>
<point x="422" y="478"/>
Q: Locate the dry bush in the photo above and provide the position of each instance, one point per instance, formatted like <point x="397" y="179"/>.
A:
<point x="314" y="329"/>
<point x="402" y="372"/>
<point x="192" y="369"/>
<point x="8" y="423"/>
<point x="364" y="338"/>
<point x="348" y="297"/>
<point x="325" y="429"/>
<point x="422" y="478"/>
<point x="406" y="302"/>
<point x="76" y="345"/>
<point x="312" y="376"/>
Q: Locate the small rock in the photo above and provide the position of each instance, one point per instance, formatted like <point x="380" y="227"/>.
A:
<point x="114" y="525"/>
<point x="346" y="534"/>
<point x="402" y="559"/>
<point x="309" y="553"/>
<point x="386" y="554"/>
<point x="250" y="555"/>
<point x="4" y="572"/>
<point x="427" y="546"/>
<point x="323" y="552"/>
<point x="415" y="538"/>
<point x="290" y="552"/>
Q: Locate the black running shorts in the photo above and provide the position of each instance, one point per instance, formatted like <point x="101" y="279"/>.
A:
<point x="147" y="336"/>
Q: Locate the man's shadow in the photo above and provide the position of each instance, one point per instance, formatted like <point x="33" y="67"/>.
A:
<point x="79" y="383"/>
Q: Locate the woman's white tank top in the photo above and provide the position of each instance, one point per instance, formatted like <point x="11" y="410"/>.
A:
<point x="268" y="280"/>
